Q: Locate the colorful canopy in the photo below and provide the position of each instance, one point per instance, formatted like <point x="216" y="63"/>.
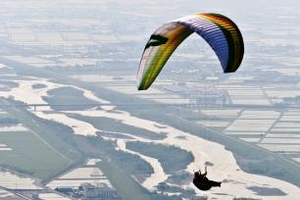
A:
<point x="219" y="32"/>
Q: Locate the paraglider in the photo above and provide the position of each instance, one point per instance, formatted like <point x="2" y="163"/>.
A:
<point x="202" y="182"/>
<point x="218" y="31"/>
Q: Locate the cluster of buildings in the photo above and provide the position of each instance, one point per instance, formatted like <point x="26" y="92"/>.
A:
<point x="89" y="191"/>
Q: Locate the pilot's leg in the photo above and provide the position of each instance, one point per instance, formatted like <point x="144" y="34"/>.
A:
<point x="214" y="183"/>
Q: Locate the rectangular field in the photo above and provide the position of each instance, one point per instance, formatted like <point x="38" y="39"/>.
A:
<point x="30" y="154"/>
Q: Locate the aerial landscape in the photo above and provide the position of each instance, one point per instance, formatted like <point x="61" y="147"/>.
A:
<point x="73" y="124"/>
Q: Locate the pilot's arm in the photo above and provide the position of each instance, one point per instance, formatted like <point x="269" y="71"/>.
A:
<point x="205" y="171"/>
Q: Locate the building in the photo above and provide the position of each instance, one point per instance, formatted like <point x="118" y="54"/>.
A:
<point x="209" y="99"/>
<point x="91" y="192"/>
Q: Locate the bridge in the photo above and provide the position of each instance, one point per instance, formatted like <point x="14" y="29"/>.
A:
<point x="36" y="106"/>
<point x="182" y="105"/>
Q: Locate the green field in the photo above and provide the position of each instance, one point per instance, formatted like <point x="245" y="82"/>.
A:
<point x="172" y="158"/>
<point x="44" y="151"/>
<point x="30" y="154"/>
<point x="128" y="188"/>
<point x="125" y="184"/>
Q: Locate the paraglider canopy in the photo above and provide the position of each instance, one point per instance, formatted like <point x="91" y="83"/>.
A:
<point x="217" y="30"/>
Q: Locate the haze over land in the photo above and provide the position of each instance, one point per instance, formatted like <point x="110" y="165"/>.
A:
<point x="71" y="113"/>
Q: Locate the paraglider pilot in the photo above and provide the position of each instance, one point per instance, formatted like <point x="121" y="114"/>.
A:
<point x="202" y="182"/>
